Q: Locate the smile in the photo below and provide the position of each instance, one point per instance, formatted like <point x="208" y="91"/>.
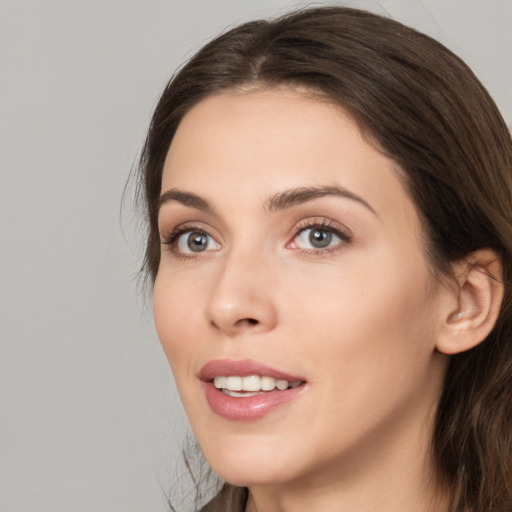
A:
<point x="247" y="390"/>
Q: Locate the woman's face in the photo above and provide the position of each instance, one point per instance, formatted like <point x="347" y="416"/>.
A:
<point x="292" y="256"/>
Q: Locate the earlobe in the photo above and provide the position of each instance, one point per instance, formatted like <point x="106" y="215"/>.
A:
<point x="475" y="302"/>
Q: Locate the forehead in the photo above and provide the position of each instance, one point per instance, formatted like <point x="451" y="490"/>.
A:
<point x="252" y="144"/>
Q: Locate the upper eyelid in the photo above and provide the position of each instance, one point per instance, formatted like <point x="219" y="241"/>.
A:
<point x="184" y="228"/>
<point x="321" y="227"/>
<point x="169" y="226"/>
<point x="170" y="221"/>
<point x="322" y="223"/>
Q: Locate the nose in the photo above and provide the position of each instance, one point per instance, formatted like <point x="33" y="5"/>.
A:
<point x="242" y="301"/>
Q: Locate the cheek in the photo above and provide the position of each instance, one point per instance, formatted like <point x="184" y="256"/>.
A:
<point x="369" y="330"/>
<point x="176" y="320"/>
<point x="376" y="294"/>
<point x="370" y="346"/>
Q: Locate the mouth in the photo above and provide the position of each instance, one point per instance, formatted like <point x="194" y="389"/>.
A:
<point x="247" y="390"/>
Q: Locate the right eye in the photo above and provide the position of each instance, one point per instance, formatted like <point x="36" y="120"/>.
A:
<point x="196" y="241"/>
<point x="191" y="241"/>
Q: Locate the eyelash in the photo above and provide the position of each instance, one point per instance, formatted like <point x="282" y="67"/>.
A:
<point x="327" y="225"/>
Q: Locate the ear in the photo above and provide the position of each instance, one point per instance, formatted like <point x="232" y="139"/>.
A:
<point x="474" y="300"/>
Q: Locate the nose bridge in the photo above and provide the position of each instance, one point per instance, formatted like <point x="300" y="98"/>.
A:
<point x="242" y="300"/>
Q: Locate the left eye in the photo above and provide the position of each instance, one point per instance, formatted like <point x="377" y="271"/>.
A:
<point x="196" y="241"/>
<point x="316" y="238"/>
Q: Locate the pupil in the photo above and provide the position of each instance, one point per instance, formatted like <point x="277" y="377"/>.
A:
<point x="320" y="238"/>
<point x="197" y="242"/>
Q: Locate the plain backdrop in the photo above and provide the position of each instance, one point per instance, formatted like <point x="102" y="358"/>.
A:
<point x="89" y="416"/>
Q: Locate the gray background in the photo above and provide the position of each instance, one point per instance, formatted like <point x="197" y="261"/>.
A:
<point x="89" y="417"/>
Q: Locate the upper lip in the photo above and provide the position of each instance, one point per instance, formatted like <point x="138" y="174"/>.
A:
<point x="243" y="368"/>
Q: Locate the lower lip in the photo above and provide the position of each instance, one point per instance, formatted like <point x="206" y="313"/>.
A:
<point x="250" y="408"/>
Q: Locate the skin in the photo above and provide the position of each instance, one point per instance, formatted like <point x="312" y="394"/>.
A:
<point x="359" y="320"/>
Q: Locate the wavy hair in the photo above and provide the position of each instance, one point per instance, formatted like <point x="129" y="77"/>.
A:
<point x="422" y="106"/>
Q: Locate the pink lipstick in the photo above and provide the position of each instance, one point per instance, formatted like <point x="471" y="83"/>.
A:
<point x="247" y="390"/>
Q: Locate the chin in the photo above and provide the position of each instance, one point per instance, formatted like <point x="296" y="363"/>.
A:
<point x="247" y="464"/>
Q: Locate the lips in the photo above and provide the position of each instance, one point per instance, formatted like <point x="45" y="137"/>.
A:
<point x="247" y="390"/>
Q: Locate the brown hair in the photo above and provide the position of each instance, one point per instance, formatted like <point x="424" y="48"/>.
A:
<point x="422" y="106"/>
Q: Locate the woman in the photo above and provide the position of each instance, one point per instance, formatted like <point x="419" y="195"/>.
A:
<point x="329" y="198"/>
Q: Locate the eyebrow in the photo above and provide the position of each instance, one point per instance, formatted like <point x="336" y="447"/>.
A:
<point x="186" y="199"/>
<point x="295" y="196"/>
<point x="280" y="201"/>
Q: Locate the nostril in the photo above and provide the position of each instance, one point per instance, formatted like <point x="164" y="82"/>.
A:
<point x="252" y="321"/>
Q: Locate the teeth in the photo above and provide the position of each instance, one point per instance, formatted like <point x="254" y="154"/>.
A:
<point x="268" y="383"/>
<point x="251" y="384"/>
<point x="281" y="384"/>
<point x="219" y="382"/>
<point x="240" y="394"/>
<point x="234" y="383"/>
